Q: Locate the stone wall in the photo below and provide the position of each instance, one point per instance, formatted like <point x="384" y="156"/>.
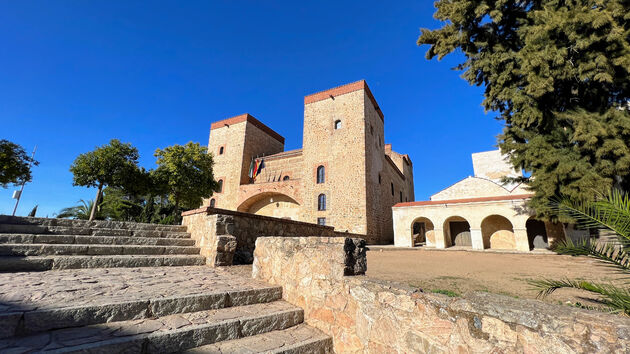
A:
<point x="368" y="316"/>
<point x="228" y="237"/>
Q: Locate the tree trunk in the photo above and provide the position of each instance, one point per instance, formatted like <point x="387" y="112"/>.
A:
<point x="96" y="199"/>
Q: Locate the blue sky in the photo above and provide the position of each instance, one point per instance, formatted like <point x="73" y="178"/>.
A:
<point x="75" y="74"/>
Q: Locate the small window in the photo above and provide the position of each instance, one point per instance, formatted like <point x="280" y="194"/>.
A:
<point x="220" y="186"/>
<point x="337" y="124"/>
<point x="392" y="189"/>
<point x="379" y="178"/>
<point x="221" y="150"/>
<point x="321" y="202"/>
<point x="321" y="174"/>
<point x="285" y="178"/>
<point x="401" y="196"/>
<point x="321" y="221"/>
<point x="212" y="202"/>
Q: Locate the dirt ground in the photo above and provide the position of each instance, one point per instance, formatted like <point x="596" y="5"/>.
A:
<point x="461" y="271"/>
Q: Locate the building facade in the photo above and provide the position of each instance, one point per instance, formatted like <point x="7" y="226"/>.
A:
<point x="344" y="176"/>
<point x="479" y="212"/>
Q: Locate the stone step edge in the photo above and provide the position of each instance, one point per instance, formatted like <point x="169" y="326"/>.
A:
<point x="62" y="230"/>
<point x="52" y="249"/>
<point x="30" y="322"/>
<point x="44" y="263"/>
<point x="175" y="340"/>
<point x="84" y="239"/>
<point x="37" y="221"/>
<point x="318" y="343"/>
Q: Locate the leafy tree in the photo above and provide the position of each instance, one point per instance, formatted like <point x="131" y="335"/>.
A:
<point x="557" y="72"/>
<point x="185" y="173"/>
<point x="82" y="211"/>
<point x="114" y="164"/>
<point x="611" y="213"/>
<point x="15" y="164"/>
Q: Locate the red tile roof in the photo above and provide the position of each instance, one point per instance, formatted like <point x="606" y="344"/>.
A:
<point x="341" y="90"/>
<point x="466" y="200"/>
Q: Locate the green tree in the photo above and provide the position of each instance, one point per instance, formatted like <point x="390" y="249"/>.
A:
<point x="114" y="165"/>
<point x="609" y="213"/>
<point x="557" y="72"/>
<point x="185" y="173"/>
<point x="15" y="164"/>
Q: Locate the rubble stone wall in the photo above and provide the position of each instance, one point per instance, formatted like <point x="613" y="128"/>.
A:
<point x="228" y="237"/>
<point x="369" y="316"/>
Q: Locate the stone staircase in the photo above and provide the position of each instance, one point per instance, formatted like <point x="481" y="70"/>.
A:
<point x="76" y="286"/>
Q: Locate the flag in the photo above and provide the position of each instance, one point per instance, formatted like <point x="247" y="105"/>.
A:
<point x="259" y="166"/>
<point x="251" y="169"/>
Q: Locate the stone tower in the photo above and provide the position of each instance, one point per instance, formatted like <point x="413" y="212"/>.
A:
<point x="234" y="142"/>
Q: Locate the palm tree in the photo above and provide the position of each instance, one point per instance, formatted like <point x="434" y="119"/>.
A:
<point x="611" y="212"/>
<point x="81" y="211"/>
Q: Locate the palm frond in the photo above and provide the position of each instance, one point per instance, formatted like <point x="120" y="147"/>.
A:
<point x="617" y="299"/>
<point x="610" y="212"/>
<point x="606" y="252"/>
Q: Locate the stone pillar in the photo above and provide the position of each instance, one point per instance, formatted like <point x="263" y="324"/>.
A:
<point x="477" y="239"/>
<point x="520" y="238"/>
<point x="440" y="238"/>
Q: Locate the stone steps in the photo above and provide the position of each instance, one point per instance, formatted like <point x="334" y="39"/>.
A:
<point x="42" y="263"/>
<point x="149" y="310"/>
<point x="298" y="339"/>
<point x="78" y="250"/>
<point x="87" y="231"/>
<point x="93" y="240"/>
<point x="166" y="334"/>
<point x="48" y="222"/>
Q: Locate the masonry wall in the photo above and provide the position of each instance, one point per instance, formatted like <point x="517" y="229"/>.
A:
<point x="369" y="316"/>
<point x="209" y="228"/>
<point x="342" y="153"/>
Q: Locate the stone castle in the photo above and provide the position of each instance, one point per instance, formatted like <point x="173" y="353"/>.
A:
<point x="344" y="176"/>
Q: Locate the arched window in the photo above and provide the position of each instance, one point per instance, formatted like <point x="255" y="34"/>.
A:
<point x="285" y="178"/>
<point x="220" y="186"/>
<point x="221" y="150"/>
<point x="321" y="174"/>
<point x="212" y="202"/>
<point x="392" y="189"/>
<point x="321" y="202"/>
<point x="337" y="124"/>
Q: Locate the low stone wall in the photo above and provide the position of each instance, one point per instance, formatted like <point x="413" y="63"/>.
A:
<point x="368" y="316"/>
<point x="228" y="237"/>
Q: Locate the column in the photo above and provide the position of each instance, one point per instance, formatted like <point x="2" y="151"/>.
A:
<point x="477" y="239"/>
<point x="522" y="242"/>
<point x="440" y="238"/>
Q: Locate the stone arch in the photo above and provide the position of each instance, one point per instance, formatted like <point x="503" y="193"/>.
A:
<point x="497" y="232"/>
<point x="422" y="230"/>
<point x="271" y="204"/>
<point x="457" y="232"/>
<point x="536" y="234"/>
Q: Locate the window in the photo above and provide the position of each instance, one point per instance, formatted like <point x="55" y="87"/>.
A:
<point x="321" y="174"/>
<point x="379" y="178"/>
<point x="321" y="221"/>
<point x="221" y="150"/>
<point x="220" y="186"/>
<point x="392" y="189"/>
<point x="321" y="202"/>
<point x="285" y="178"/>
<point x="212" y="202"/>
<point x="401" y="196"/>
<point x="337" y="124"/>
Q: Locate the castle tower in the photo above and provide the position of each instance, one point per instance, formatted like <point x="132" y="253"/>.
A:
<point x="233" y="143"/>
<point x="343" y="134"/>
